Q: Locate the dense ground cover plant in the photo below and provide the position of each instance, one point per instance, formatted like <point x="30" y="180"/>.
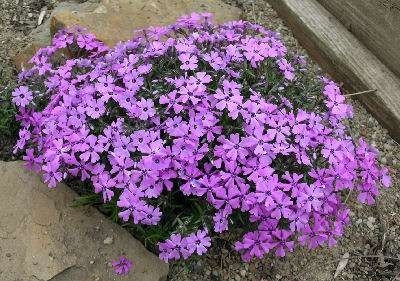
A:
<point x="8" y="125"/>
<point x="194" y="129"/>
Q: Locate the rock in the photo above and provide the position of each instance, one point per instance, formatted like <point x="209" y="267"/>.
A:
<point x="115" y="20"/>
<point x="108" y="241"/>
<point x="198" y="267"/>
<point x="21" y="59"/>
<point x="243" y="273"/>
<point x="371" y="222"/>
<point x="50" y="240"/>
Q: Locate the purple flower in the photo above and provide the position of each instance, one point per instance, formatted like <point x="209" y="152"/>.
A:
<point x="233" y="147"/>
<point x="90" y="149"/>
<point x="198" y="243"/>
<point x="95" y="108"/>
<point x="189" y="62"/>
<point x="122" y="266"/>
<point x="171" y="248"/>
<point x="281" y="206"/>
<point x="310" y="198"/>
<point x="255" y="244"/>
<point x="22" y="96"/>
<point x="287" y="69"/>
<point x="52" y="175"/>
<point x="283" y="244"/>
<point x="221" y="221"/>
<point x="145" y="109"/>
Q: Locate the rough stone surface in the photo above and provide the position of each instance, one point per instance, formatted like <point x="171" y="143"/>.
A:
<point x="43" y="238"/>
<point x="115" y="20"/>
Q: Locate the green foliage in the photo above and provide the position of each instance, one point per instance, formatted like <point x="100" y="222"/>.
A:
<point x="8" y="125"/>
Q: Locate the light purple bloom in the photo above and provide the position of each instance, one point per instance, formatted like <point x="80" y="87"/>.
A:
<point x="22" y="96"/>
<point x="122" y="266"/>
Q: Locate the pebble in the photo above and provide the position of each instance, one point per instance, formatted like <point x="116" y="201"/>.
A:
<point x="108" y="241"/>
<point x="371" y="222"/>
<point x="8" y="255"/>
<point x="198" y="267"/>
<point x="91" y="262"/>
<point x="243" y="273"/>
<point x="387" y="147"/>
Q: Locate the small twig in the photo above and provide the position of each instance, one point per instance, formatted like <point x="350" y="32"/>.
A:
<point x="348" y="195"/>
<point x="360" y="93"/>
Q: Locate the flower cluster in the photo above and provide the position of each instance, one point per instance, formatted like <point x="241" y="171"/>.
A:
<point x="220" y="114"/>
<point x="177" y="247"/>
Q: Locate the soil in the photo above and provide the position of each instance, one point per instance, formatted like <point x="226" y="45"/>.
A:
<point x="373" y="239"/>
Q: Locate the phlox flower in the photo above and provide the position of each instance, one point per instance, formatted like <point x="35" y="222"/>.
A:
<point x="122" y="266"/>
<point x="145" y="109"/>
<point x="22" y="96"/>
<point x="189" y="62"/>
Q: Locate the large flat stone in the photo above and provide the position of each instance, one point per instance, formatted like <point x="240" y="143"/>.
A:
<point x="43" y="238"/>
<point x="115" y="20"/>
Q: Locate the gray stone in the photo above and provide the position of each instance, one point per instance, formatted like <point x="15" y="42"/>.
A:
<point x="108" y="241"/>
<point x="43" y="238"/>
<point x="115" y="20"/>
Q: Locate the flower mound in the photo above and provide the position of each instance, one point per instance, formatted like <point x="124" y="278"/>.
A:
<point x="220" y="116"/>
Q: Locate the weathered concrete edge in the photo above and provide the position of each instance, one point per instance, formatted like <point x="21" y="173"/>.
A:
<point x="345" y="58"/>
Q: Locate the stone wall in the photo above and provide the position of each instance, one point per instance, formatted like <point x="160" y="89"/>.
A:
<point x="376" y="23"/>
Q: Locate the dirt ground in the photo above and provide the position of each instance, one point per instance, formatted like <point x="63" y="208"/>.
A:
<point x="373" y="239"/>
